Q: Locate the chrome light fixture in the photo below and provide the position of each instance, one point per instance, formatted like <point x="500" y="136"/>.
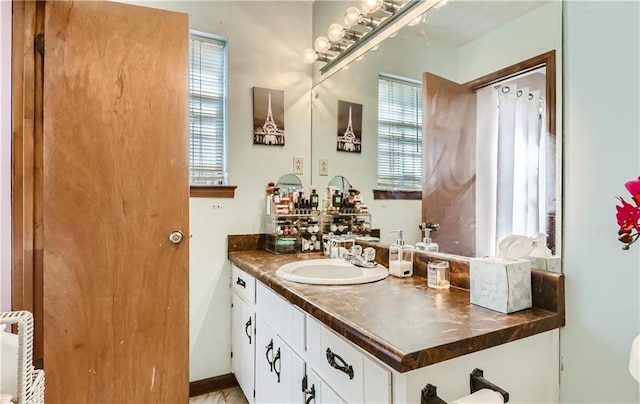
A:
<point x="363" y="31"/>
<point x="309" y="56"/>
<point x="353" y="16"/>
<point x="371" y="6"/>
<point x="323" y="44"/>
<point x="337" y="33"/>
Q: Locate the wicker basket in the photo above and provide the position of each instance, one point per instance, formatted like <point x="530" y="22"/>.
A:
<point x="30" y="380"/>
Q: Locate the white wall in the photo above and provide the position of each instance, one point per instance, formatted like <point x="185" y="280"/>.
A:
<point x="265" y="44"/>
<point x="5" y="155"/>
<point x="602" y="152"/>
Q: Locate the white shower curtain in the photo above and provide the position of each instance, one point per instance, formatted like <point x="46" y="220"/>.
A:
<point x="511" y="155"/>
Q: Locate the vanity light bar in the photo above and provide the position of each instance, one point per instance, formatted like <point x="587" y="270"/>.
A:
<point x="349" y="45"/>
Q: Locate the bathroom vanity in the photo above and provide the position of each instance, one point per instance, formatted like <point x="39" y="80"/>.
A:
<point x="384" y="341"/>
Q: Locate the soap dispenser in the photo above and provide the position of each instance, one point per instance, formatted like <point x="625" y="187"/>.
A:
<point x="400" y="257"/>
<point x="427" y="244"/>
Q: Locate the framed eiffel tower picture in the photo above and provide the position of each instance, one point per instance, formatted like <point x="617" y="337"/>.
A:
<point x="349" y="127"/>
<point x="268" y="116"/>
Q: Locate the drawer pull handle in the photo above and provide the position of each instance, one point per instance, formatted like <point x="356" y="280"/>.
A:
<point x="311" y="393"/>
<point x="270" y="349"/>
<point x="338" y="363"/>
<point x="241" y="282"/>
<point x="246" y="329"/>
<point x="277" y="359"/>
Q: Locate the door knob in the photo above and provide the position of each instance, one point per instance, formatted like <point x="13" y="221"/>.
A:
<point x="176" y="237"/>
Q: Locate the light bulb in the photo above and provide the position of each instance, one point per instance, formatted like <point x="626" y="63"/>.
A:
<point x="351" y="16"/>
<point x="309" y="56"/>
<point x="335" y="32"/>
<point x="371" y="6"/>
<point x="322" y="44"/>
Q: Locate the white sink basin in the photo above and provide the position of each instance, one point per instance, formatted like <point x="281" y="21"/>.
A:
<point x="330" y="272"/>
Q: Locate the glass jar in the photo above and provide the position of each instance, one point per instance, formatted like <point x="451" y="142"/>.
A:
<point x="438" y="274"/>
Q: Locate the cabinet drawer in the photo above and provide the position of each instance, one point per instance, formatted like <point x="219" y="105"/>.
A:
<point x="285" y="318"/>
<point x="271" y="308"/>
<point x="244" y="285"/>
<point x="342" y="366"/>
<point x="371" y="381"/>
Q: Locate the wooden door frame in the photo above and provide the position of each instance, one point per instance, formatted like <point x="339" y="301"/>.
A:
<point x="547" y="59"/>
<point x="27" y="157"/>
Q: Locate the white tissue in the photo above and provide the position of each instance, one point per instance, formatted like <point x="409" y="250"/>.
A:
<point x="6" y="399"/>
<point x="514" y="247"/>
<point x="486" y="396"/>
<point x="540" y="249"/>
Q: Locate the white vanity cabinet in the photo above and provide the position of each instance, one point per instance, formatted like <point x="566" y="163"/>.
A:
<point x="528" y="369"/>
<point x="295" y="358"/>
<point x="280" y="353"/>
<point x="243" y="320"/>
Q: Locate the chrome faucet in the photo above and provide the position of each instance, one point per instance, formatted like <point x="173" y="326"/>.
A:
<point x="358" y="260"/>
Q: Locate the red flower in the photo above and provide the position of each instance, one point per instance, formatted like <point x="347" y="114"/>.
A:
<point x="628" y="215"/>
<point x="634" y="189"/>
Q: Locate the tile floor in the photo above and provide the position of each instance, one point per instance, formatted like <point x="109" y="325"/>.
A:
<point x="227" y="396"/>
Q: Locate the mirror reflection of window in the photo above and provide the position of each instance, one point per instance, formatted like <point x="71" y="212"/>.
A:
<point x="399" y="133"/>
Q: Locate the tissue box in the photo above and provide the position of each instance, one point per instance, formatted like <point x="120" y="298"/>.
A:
<point x="500" y="285"/>
<point x="551" y="264"/>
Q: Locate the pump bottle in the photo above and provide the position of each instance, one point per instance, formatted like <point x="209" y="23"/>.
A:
<point x="427" y="244"/>
<point x="400" y="257"/>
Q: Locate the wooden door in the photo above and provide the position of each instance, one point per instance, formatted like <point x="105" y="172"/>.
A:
<point x="449" y="150"/>
<point x="115" y="186"/>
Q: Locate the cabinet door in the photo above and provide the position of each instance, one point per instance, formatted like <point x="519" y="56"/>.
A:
<point x="279" y="371"/>
<point x="268" y="388"/>
<point x="115" y="186"/>
<point x="319" y="391"/>
<point x="243" y="345"/>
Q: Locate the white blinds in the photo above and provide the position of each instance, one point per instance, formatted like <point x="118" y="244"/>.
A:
<point x="207" y="105"/>
<point x="399" y="133"/>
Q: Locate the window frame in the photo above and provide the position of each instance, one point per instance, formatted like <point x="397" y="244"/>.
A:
<point x="224" y="190"/>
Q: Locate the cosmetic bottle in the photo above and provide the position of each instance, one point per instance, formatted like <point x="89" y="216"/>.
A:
<point x="337" y="198"/>
<point x="400" y="257"/>
<point x="314" y="199"/>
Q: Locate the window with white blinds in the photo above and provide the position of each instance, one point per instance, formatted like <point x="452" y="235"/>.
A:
<point x="399" y="133"/>
<point x="207" y="110"/>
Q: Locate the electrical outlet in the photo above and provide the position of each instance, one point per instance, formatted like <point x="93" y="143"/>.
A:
<point x="298" y="167"/>
<point x="324" y="167"/>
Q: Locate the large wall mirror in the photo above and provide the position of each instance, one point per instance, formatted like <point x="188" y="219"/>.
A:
<point x="459" y="42"/>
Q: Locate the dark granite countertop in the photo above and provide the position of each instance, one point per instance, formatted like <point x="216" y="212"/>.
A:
<point x="404" y="323"/>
